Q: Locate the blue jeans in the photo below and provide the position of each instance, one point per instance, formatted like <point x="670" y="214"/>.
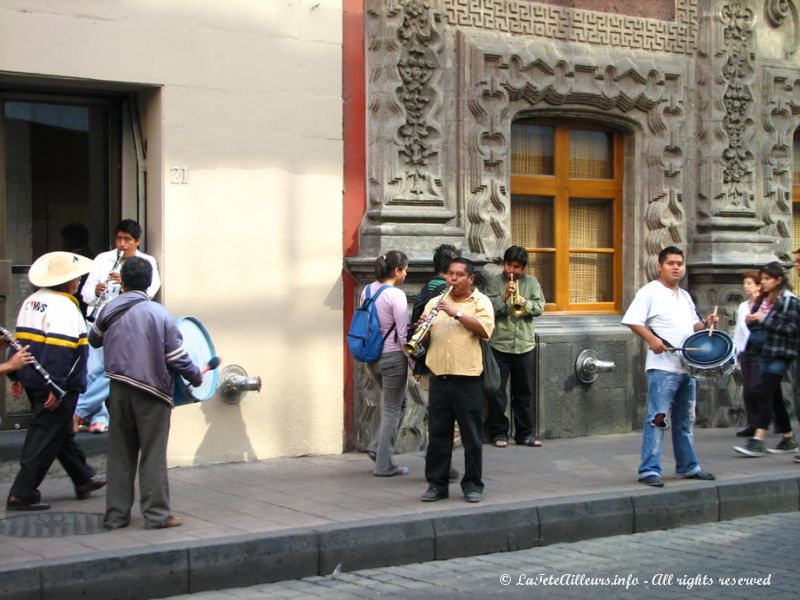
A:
<point x="92" y="403"/>
<point x="672" y="395"/>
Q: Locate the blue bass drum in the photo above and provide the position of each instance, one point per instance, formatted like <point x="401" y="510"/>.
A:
<point x="200" y="348"/>
<point x="708" y="355"/>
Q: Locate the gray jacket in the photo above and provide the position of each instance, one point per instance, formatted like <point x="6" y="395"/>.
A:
<point x="143" y="346"/>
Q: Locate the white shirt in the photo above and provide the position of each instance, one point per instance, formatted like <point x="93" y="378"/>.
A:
<point x="103" y="263"/>
<point x="669" y="315"/>
<point x="742" y="332"/>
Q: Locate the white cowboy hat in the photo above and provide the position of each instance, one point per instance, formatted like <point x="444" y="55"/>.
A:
<point x="55" y="268"/>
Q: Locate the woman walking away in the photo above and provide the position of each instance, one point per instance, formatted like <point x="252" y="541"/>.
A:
<point x="748" y="360"/>
<point x="774" y="332"/>
<point x="390" y="371"/>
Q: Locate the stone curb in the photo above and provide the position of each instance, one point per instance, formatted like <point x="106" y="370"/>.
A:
<point x="237" y="561"/>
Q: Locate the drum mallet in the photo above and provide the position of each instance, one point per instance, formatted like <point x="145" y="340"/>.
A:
<point x="213" y="363"/>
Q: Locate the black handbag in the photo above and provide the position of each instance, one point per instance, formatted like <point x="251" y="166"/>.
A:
<point x="491" y="372"/>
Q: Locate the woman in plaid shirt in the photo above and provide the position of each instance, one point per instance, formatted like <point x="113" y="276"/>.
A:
<point x="774" y="323"/>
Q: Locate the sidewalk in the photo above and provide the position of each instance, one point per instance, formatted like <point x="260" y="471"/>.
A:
<point x="289" y="518"/>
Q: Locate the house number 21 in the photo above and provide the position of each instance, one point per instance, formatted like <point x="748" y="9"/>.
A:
<point x="180" y="175"/>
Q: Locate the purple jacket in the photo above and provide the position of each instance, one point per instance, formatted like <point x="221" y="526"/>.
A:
<point x="143" y="346"/>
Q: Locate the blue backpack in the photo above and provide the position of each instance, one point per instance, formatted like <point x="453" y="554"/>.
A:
<point x="364" y="338"/>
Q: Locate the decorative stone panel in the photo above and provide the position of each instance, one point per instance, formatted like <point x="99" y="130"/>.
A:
<point x="547" y="22"/>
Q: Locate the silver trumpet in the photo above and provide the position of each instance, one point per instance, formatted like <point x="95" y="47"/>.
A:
<point x="106" y="292"/>
<point x="414" y="346"/>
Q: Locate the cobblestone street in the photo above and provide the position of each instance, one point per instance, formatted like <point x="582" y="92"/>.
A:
<point x="754" y="557"/>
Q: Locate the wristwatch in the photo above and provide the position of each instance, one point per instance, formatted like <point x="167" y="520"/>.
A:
<point x="458" y="315"/>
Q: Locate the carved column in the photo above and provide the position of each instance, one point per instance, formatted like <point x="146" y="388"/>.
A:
<point x="408" y="204"/>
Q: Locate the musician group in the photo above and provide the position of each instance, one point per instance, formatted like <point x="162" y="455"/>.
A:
<point x="461" y="332"/>
<point x="447" y="340"/>
<point x="51" y="360"/>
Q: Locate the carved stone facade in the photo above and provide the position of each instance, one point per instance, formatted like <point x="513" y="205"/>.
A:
<point x="708" y="103"/>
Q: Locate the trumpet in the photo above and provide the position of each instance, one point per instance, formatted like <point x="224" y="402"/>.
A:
<point x="414" y="347"/>
<point x="517" y="302"/>
<point x="106" y="292"/>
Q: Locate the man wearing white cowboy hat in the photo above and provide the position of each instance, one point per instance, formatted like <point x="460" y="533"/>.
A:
<point x="51" y="323"/>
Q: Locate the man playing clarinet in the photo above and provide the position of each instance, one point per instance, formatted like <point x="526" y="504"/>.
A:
<point x="51" y="323"/>
<point x="102" y="286"/>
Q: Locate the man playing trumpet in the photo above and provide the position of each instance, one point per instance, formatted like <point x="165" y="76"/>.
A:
<point x="454" y="357"/>
<point x="102" y="286"/>
<point x="517" y="298"/>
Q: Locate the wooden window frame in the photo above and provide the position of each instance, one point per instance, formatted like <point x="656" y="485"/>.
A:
<point x="561" y="188"/>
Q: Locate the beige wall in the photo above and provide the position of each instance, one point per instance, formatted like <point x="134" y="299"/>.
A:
<point x="249" y="100"/>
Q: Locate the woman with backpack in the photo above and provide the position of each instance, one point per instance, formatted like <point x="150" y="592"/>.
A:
<point x="390" y="370"/>
<point x="774" y="323"/>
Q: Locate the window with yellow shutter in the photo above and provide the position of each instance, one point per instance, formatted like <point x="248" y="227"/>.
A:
<point x="566" y="210"/>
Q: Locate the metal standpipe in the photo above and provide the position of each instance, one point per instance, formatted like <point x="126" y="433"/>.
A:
<point x="588" y="366"/>
<point x="235" y="382"/>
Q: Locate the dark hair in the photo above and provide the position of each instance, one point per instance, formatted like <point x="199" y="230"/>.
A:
<point x="75" y="235"/>
<point x="516" y="253"/>
<point x="662" y="256"/>
<point x="753" y="274"/>
<point x="136" y="274"/>
<point x="385" y="264"/>
<point x="466" y="262"/>
<point x="443" y="256"/>
<point x="130" y="227"/>
<point x="775" y="269"/>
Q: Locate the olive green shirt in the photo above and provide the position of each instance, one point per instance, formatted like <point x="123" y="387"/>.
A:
<point x="514" y="335"/>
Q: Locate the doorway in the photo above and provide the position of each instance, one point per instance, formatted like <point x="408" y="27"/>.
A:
<point x="59" y="190"/>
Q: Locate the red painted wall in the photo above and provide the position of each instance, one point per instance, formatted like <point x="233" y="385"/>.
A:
<point x="354" y="137"/>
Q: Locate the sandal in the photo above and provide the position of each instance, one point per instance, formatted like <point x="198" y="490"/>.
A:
<point x="500" y="443"/>
<point x="530" y="441"/>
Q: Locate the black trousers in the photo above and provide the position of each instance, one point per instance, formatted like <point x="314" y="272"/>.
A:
<point x="520" y="368"/>
<point x="49" y="437"/>
<point x="751" y="380"/>
<point x="771" y="403"/>
<point x="454" y="398"/>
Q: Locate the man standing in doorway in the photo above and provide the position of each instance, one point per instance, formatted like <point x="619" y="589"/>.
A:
<point x="512" y="344"/>
<point x="102" y="286"/>
<point x="664" y="315"/>
<point x="454" y="357"/>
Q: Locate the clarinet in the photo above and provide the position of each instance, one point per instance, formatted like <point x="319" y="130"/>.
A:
<point x="104" y="296"/>
<point x="12" y="341"/>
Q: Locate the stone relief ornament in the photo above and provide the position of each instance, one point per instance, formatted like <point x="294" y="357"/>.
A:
<point x="781" y="117"/>
<point x="778" y="13"/>
<point x="404" y="68"/>
<point x="551" y="22"/>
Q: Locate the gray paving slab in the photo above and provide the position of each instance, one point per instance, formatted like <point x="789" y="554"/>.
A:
<point x="327" y="508"/>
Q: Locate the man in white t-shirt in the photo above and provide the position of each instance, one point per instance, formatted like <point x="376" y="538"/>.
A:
<point x="664" y="315"/>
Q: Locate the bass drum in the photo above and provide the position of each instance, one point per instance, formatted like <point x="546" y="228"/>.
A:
<point x="709" y="355"/>
<point x="200" y="348"/>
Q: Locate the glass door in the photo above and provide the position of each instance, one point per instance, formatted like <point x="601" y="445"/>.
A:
<point x="59" y="179"/>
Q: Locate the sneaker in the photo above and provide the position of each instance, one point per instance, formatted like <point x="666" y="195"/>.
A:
<point x="433" y="495"/>
<point x="453" y="474"/>
<point x="652" y="481"/>
<point x="786" y="445"/>
<point x="746" y="432"/>
<point x="754" y="447"/>
<point x="701" y="475"/>
<point x="473" y="496"/>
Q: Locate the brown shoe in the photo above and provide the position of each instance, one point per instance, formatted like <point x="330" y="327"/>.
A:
<point x="84" y="490"/>
<point x="170" y="521"/>
<point x="14" y="503"/>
